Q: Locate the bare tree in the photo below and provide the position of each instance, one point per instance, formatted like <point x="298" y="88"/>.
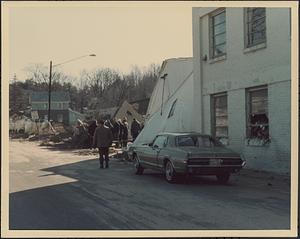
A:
<point x="38" y="73"/>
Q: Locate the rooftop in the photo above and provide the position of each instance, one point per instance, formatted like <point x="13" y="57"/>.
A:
<point x="42" y="96"/>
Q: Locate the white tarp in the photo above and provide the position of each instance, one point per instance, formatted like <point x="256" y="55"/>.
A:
<point x="177" y="87"/>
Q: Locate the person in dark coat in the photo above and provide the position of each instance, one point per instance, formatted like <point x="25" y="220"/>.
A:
<point x="102" y="140"/>
<point x="91" y="130"/>
<point x="116" y="131"/>
<point x="121" y="132"/>
<point x="135" y="129"/>
<point x="125" y="132"/>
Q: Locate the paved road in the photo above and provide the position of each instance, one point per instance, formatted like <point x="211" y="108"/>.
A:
<point x="51" y="189"/>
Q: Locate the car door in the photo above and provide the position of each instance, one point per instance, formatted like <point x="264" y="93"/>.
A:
<point x="158" y="146"/>
<point x="162" y="153"/>
<point x="147" y="155"/>
<point x="150" y="153"/>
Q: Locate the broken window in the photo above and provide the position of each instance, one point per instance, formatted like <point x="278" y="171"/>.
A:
<point x="255" y="24"/>
<point x="218" y="33"/>
<point x="258" y="121"/>
<point x="220" y="117"/>
<point x="172" y="109"/>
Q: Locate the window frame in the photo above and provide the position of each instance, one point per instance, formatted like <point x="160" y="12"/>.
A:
<point x="160" y="136"/>
<point x="247" y="43"/>
<point x="212" y="35"/>
<point x="249" y="112"/>
<point x="213" y="117"/>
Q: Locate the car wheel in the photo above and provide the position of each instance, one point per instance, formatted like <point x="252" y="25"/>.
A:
<point x="138" y="169"/>
<point x="170" y="174"/>
<point x="223" y="178"/>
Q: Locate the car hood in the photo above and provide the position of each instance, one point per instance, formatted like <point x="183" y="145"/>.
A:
<point x="215" y="151"/>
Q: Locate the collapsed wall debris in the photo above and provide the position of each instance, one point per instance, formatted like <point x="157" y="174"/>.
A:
<point x="171" y="103"/>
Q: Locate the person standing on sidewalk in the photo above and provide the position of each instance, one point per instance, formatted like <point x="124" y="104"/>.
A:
<point x="102" y="140"/>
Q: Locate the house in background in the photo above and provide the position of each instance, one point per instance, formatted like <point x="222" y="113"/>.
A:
<point x="60" y="111"/>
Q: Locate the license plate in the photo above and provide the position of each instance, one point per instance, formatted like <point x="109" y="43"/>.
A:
<point x="215" y="162"/>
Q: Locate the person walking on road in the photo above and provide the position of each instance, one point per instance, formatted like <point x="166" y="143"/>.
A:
<point x="102" y="140"/>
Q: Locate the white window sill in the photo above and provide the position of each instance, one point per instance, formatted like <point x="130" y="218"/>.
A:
<point x="217" y="59"/>
<point x="255" y="48"/>
<point x="257" y="142"/>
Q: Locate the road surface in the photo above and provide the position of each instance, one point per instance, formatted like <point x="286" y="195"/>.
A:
<point x="55" y="189"/>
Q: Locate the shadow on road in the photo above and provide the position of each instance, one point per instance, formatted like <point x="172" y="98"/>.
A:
<point x="64" y="206"/>
<point x="91" y="200"/>
<point x="50" y="207"/>
<point x="43" y="209"/>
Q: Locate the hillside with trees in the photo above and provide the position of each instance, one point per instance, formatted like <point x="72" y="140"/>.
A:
<point x="101" y="88"/>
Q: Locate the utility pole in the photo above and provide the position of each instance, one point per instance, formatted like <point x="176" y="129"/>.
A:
<point x="49" y="100"/>
<point x="50" y="77"/>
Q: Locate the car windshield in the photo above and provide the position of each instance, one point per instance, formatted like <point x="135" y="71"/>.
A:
<point x="196" y="141"/>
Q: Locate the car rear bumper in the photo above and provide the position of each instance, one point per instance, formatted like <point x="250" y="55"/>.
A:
<point x="211" y="170"/>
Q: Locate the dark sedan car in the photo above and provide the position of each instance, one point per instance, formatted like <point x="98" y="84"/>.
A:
<point x="186" y="154"/>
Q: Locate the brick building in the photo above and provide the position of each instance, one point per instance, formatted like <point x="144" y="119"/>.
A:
<point x="242" y="81"/>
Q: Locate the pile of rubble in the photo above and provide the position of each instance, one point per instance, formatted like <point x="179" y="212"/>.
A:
<point x="59" y="135"/>
<point x="24" y="127"/>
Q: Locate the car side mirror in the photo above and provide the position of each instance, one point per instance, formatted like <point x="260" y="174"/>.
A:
<point x="155" y="146"/>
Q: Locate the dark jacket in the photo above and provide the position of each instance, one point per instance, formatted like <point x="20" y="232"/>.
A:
<point x="135" y="128"/>
<point x="121" y="130"/>
<point x="116" y="130"/>
<point x="102" y="137"/>
<point x="92" y="127"/>
<point x="125" y="131"/>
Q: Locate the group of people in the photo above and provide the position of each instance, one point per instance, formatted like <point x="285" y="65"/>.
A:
<point x="119" y="129"/>
<point x="108" y="131"/>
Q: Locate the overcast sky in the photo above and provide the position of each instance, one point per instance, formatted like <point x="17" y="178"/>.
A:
<point x="120" y="34"/>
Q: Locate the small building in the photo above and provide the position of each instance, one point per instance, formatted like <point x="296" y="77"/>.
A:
<point x="60" y="102"/>
<point x="74" y="116"/>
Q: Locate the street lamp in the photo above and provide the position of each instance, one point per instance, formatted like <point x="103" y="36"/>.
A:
<point x="50" y="78"/>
